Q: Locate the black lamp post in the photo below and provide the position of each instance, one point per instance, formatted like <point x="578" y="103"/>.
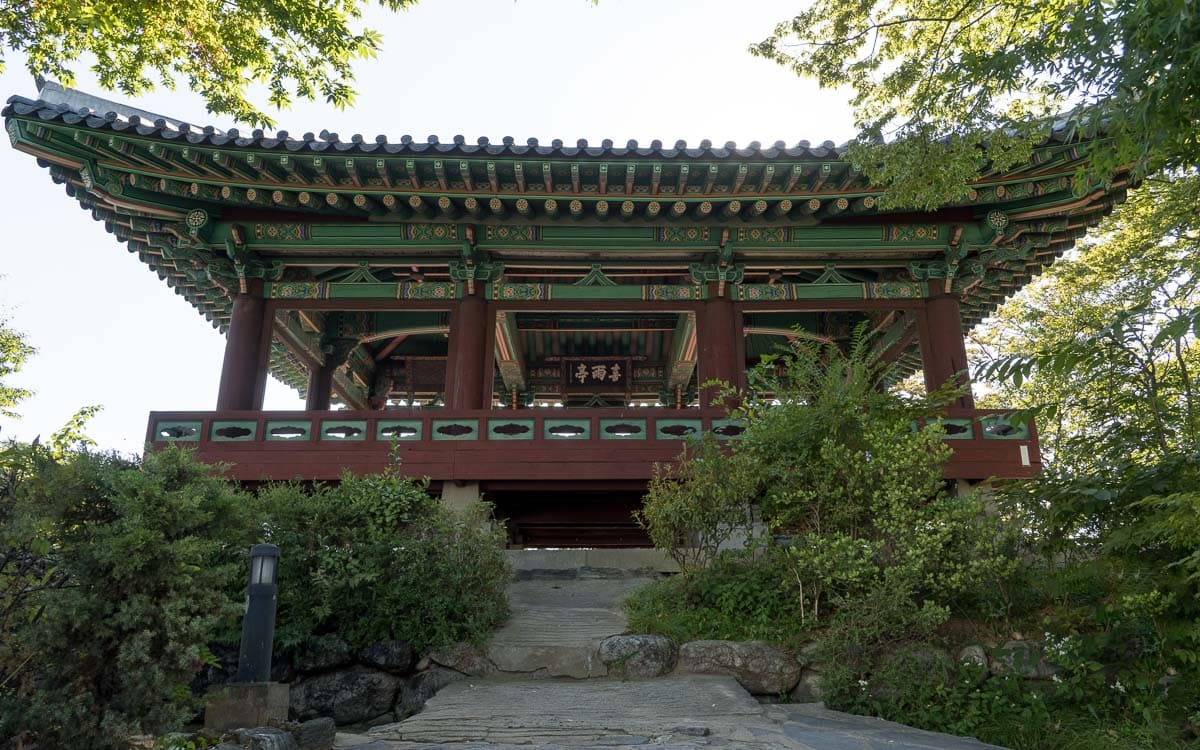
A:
<point x="258" y="625"/>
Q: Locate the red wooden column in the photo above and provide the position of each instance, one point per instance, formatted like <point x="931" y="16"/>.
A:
<point x="718" y="330"/>
<point x="943" y="346"/>
<point x="243" y="351"/>
<point x="467" y="353"/>
<point x="320" y="387"/>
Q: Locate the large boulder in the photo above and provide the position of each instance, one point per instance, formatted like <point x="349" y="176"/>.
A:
<point x="973" y="655"/>
<point x="420" y="688"/>
<point x="391" y="656"/>
<point x="810" y="689"/>
<point x="315" y="734"/>
<point x="348" y="696"/>
<point x="465" y="659"/>
<point x="1025" y="659"/>
<point x="760" y="668"/>
<point x="323" y="653"/>
<point x="638" y="656"/>
<point x="266" y="738"/>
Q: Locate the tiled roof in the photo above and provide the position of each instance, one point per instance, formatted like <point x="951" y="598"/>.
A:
<point x="56" y="104"/>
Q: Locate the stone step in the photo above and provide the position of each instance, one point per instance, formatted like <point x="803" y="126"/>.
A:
<point x="590" y="563"/>
<point x="556" y="626"/>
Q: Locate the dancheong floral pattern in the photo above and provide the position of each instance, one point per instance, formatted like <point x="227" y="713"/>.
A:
<point x="683" y="234"/>
<point x="910" y="232"/>
<point x="521" y="292"/>
<point x="281" y="232"/>
<point x="425" y="290"/>
<point x="298" y="290"/>
<point x="431" y="232"/>
<point x="511" y="233"/>
<point x="895" y="290"/>
<point x="668" y="292"/>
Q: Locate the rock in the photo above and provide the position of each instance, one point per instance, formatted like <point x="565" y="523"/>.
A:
<point x="638" y="656"/>
<point x="760" y="668"/>
<point x="315" y="734"/>
<point x="323" y="653"/>
<point x="390" y="656"/>
<point x="225" y="670"/>
<point x="349" y="696"/>
<point x="420" y="688"/>
<point x="423" y="664"/>
<point x="380" y="720"/>
<point x="913" y="667"/>
<point x="973" y="655"/>
<point x="1024" y="659"/>
<point x="808" y="656"/>
<point x="810" y="689"/>
<point x="466" y="659"/>
<point x="282" y="669"/>
<point x="265" y="738"/>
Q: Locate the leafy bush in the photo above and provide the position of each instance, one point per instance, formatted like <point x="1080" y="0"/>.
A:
<point x="380" y="559"/>
<point x="740" y="596"/>
<point x="696" y="504"/>
<point x="848" y="474"/>
<point x="115" y="575"/>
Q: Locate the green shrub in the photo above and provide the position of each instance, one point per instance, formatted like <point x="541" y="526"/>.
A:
<point x="741" y="596"/>
<point x="376" y="558"/>
<point x="696" y="504"/>
<point x="146" y="554"/>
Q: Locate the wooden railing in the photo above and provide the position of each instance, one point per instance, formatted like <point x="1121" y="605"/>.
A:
<point x="528" y="445"/>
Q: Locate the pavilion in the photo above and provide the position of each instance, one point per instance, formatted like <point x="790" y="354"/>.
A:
<point x="534" y="320"/>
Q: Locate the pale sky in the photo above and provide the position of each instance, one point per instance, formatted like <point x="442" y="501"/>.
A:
<point x="109" y="332"/>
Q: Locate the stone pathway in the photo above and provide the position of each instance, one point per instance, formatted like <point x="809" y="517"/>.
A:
<point x="677" y="713"/>
<point x="562" y="608"/>
<point x="557" y="625"/>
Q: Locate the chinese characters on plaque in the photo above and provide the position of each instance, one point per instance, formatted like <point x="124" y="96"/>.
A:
<point x="596" y="374"/>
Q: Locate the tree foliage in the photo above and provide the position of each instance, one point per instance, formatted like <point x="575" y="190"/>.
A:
<point x="693" y="506"/>
<point x="222" y="50"/>
<point x="955" y="87"/>
<point x="14" y="351"/>
<point x="113" y="577"/>
<point x="1104" y="346"/>
<point x="379" y="559"/>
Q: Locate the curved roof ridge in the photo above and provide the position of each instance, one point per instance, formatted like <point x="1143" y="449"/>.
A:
<point x="72" y="106"/>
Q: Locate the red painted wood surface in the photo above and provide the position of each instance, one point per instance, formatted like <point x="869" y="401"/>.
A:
<point x="240" y="367"/>
<point x="943" y="346"/>
<point x="518" y="463"/>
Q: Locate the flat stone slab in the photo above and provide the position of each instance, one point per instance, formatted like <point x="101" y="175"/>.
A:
<point x="813" y="725"/>
<point x="676" y="713"/>
<point x="575" y="713"/>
